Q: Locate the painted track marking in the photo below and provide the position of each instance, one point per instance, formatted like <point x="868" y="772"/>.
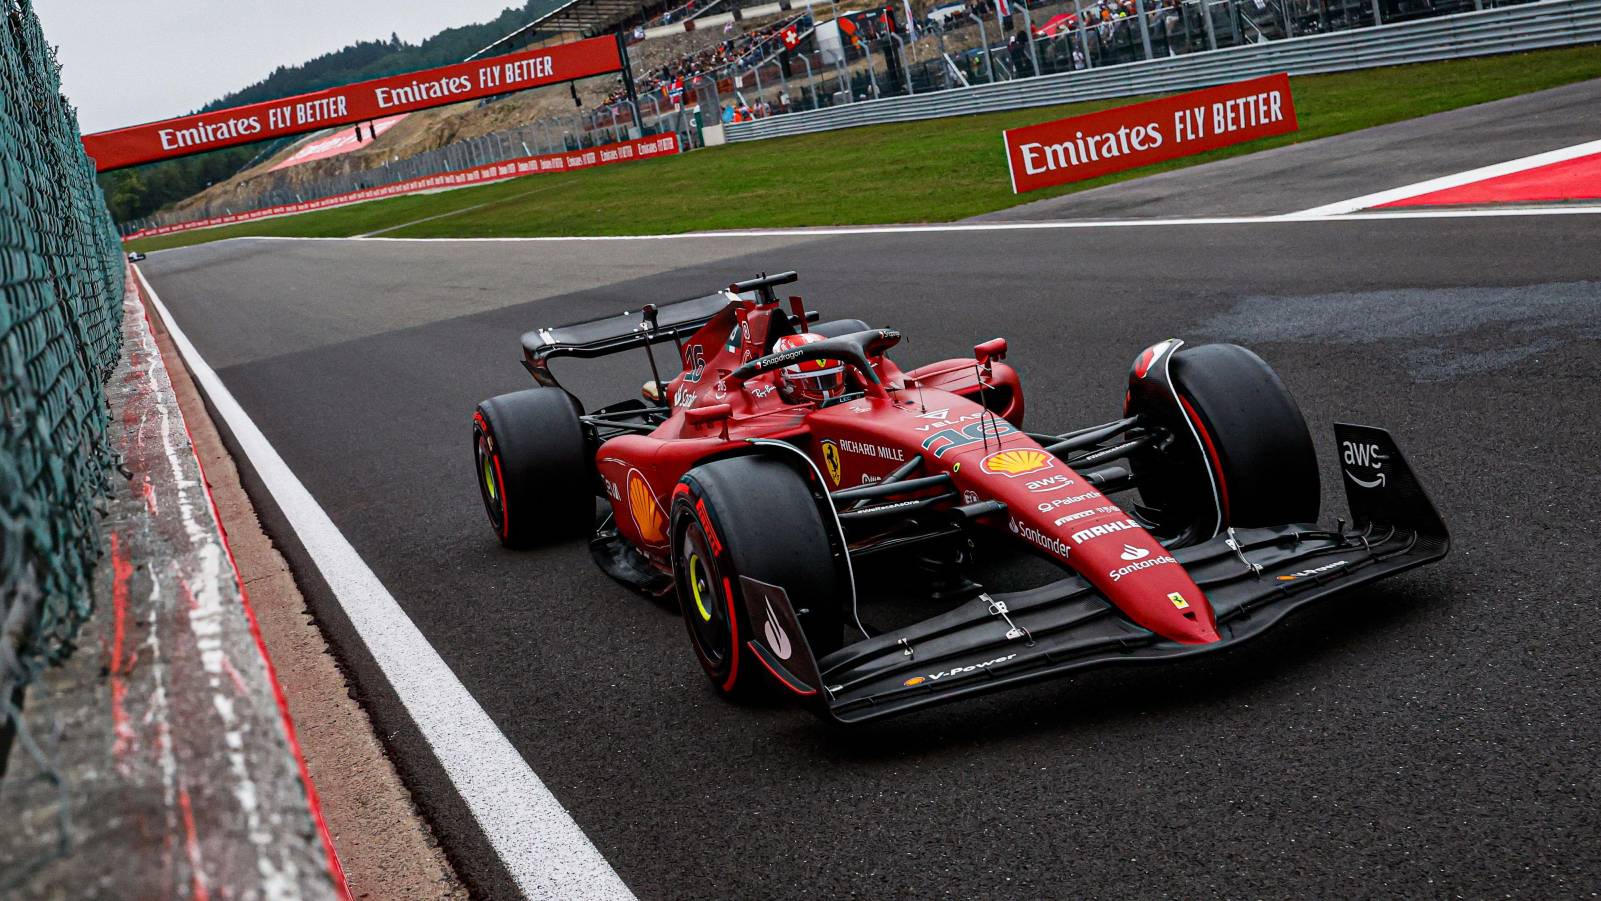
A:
<point x="1368" y="201"/>
<point x="845" y="231"/>
<point x="536" y="839"/>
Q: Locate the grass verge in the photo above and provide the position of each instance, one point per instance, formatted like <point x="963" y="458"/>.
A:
<point x="930" y="171"/>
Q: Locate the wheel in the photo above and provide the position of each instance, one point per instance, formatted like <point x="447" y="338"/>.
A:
<point x="750" y="516"/>
<point x="533" y="468"/>
<point x="1261" y="468"/>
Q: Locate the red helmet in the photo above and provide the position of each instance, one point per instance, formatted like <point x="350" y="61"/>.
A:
<point x="809" y="380"/>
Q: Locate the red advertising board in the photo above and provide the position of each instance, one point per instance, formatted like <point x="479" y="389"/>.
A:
<point x="349" y="103"/>
<point x="603" y="155"/>
<point x="1068" y="150"/>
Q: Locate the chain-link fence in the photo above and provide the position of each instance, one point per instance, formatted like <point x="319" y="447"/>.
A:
<point x="61" y="290"/>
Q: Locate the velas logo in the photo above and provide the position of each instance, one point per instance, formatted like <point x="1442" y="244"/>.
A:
<point x="1131" y="553"/>
<point x="644" y="510"/>
<point x="956" y="671"/>
<point x="1014" y="463"/>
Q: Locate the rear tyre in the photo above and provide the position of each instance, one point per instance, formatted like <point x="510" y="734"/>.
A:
<point x="1261" y="468"/>
<point x="533" y="467"/>
<point x="750" y="516"/>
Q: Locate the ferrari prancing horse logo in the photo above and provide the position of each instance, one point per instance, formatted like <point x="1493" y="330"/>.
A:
<point x="831" y="460"/>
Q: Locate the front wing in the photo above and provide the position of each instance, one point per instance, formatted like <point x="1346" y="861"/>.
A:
<point x="1253" y="578"/>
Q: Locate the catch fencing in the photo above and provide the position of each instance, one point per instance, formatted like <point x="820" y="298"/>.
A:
<point x="1507" y="29"/>
<point x="61" y="291"/>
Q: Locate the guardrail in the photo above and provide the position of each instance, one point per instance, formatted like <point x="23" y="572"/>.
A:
<point x="1533" y="26"/>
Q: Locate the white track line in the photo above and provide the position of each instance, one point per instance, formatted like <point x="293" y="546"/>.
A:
<point x="1367" y="201"/>
<point x="537" y="840"/>
<point x="829" y="232"/>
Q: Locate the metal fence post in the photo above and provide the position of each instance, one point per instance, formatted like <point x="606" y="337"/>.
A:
<point x="1145" y="29"/>
<point x="1211" y="33"/>
<point x="1028" y="29"/>
<point x="810" y="80"/>
<point x="983" y="37"/>
<point x="1083" y="33"/>
<point x="905" y="66"/>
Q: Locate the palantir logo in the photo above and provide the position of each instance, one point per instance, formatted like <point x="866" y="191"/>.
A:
<point x="1132" y="553"/>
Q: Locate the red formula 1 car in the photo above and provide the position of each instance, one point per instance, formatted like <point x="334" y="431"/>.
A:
<point x="786" y="467"/>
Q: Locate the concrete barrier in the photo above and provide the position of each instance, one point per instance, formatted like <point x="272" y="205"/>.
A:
<point x="159" y="761"/>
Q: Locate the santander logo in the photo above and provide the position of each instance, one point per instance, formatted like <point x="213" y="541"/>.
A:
<point x="1132" y="553"/>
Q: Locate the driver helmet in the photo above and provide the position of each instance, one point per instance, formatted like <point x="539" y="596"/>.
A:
<point x="809" y="380"/>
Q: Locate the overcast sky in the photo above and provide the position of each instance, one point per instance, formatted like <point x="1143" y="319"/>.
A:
<point x="123" y="63"/>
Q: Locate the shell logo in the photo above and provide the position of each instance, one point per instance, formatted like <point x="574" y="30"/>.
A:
<point x="915" y="680"/>
<point x="1014" y="463"/>
<point x="642" y="506"/>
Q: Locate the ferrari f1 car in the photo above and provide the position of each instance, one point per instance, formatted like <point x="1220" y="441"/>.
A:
<point x="783" y="459"/>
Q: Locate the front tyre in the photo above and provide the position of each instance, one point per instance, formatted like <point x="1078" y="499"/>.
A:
<point x="750" y="516"/>
<point x="1243" y="456"/>
<point x="533" y="468"/>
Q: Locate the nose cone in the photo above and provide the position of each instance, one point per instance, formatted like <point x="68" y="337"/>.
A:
<point x="1149" y="585"/>
<point x="1195" y="622"/>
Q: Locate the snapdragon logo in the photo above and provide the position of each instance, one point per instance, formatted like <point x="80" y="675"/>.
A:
<point x="1049" y="543"/>
<point x="1122" y="571"/>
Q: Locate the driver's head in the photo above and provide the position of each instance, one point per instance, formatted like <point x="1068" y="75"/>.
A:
<point x="809" y="380"/>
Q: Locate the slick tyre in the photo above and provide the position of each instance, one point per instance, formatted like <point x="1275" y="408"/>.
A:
<point x="749" y="516"/>
<point x="532" y="466"/>
<point x="1260" y="466"/>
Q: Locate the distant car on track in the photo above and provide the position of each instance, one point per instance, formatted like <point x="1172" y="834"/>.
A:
<point x="784" y="458"/>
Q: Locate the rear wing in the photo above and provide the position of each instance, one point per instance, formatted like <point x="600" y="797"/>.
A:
<point x="622" y="331"/>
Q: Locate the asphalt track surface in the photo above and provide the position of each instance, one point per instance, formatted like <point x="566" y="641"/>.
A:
<point x="1435" y="734"/>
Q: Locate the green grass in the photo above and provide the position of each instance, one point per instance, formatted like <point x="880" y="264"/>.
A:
<point x="930" y="171"/>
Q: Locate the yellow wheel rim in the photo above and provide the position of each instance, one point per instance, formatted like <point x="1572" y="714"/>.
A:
<point x="695" y="582"/>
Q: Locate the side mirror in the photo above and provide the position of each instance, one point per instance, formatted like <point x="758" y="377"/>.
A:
<point x="990" y="351"/>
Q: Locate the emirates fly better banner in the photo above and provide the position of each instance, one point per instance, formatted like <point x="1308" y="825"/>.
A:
<point x="1068" y="150"/>
<point x="349" y="103"/>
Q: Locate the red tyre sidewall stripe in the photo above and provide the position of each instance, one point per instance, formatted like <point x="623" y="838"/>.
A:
<point x="1213" y="460"/>
<point x="733" y="631"/>
<point x="500" y="480"/>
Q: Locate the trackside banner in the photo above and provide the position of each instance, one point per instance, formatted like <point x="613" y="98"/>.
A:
<point x="1068" y="150"/>
<point x="621" y="152"/>
<point x="349" y="103"/>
